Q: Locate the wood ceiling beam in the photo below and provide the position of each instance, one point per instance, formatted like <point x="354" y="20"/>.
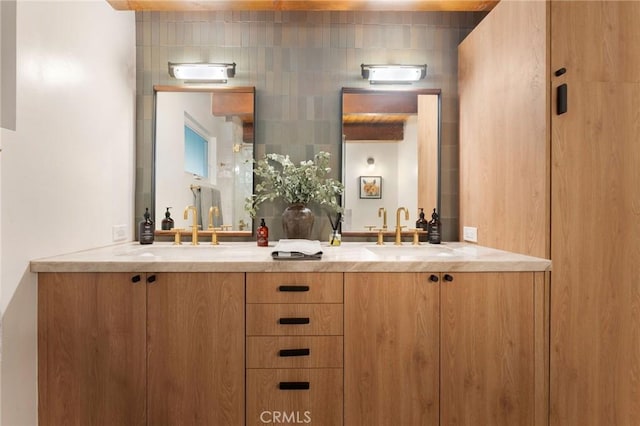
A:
<point x="309" y="5"/>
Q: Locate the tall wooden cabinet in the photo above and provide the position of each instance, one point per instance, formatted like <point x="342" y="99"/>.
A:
<point x="444" y="349"/>
<point x="138" y="349"/>
<point x="563" y="185"/>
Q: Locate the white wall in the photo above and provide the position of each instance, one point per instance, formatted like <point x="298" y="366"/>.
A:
<point x="67" y="172"/>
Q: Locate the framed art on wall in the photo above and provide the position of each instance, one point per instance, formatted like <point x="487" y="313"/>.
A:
<point x="370" y="186"/>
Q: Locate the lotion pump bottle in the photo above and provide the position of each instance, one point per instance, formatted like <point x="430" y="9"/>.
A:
<point x="422" y="224"/>
<point x="167" y="222"/>
<point x="146" y="229"/>
<point x="263" y="234"/>
<point x="434" y="228"/>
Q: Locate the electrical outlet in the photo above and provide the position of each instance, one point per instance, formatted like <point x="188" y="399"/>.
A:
<point x="470" y="234"/>
<point x="119" y="232"/>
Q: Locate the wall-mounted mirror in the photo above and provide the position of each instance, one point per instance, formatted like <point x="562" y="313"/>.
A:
<point x="203" y="138"/>
<point x="390" y="155"/>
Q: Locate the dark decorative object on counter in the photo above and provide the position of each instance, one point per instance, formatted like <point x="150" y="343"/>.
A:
<point x="434" y="228"/>
<point x="297" y="221"/>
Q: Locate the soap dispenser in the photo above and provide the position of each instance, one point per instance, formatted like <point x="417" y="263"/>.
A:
<point x="167" y="222"/>
<point x="263" y="234"/>
<point x="146" y="229"/>
<point x="422" y="224"/>
<point x="434" y="228"/>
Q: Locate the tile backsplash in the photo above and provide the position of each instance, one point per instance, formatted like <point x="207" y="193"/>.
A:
<point x="298" y="63"/>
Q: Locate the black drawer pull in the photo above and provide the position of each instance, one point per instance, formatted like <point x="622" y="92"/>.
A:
<point x="135" y="279"/>
<point x="293" y="288"/>
<point x="294" y="385"/>
<point x="294" y="352"/>
<point x="294" y="321"/>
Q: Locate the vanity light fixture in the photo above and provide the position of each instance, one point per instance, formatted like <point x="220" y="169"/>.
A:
<point x="393" y="74"/>
<point x="204" y="72"/>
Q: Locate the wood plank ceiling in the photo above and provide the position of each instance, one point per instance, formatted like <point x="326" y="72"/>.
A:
<point x="318" y="5"/>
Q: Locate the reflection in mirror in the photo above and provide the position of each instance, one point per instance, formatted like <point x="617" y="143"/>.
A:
<point x="203" y="139"/>
<point x="390" y="155"/>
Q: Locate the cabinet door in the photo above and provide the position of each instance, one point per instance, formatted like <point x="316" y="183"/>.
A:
<point x="595" y="282"/>
<point x="391" y="342"/>
<point x="196" y="349"/>
<point x="487" y="349"/>
<point x="91" y="349"/>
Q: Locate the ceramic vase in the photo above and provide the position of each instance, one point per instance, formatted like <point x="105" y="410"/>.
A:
<point x="297" y="221"/>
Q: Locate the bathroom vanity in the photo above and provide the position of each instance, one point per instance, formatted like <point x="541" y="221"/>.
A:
<point x="224" y="335"/>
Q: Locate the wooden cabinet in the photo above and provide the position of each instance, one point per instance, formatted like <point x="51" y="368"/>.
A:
<point x="195" y="349"/>
<point x="91" y="349"/>
<point x="563" y="183"/>
<point x="443" y="349"/>
<point x="136" y="349"/>
<point x="294" y="348"/>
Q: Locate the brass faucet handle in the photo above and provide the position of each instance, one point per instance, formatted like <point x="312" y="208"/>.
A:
<point x="416" y="238"/>
<point x="380" y="240"/>
<point x="177" y="240"/>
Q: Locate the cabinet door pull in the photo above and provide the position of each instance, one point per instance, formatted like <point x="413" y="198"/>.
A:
<point x="294" y="385"/>
<point x="135" y="279"/>
<point x="448" y="277"/>
<point x="562" y="99"/>
<point x="434" y="278"/>
<point x="294" y="321"/>
<point x="294" y="352"/>
<point x="151" y="279"/>
<point x="293" y="288"/>
<point x="560" y="71"/>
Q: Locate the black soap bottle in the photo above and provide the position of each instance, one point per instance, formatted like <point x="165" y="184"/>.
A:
<point x="167" y="222"/>
<point x="434" y="228"/>
<point x="146" y="229"/>
<point x="422" y="224"/>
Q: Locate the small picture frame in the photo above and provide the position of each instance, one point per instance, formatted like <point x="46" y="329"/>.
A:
<point x="370" y="186"/>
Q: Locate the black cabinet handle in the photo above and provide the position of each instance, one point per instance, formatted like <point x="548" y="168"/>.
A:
<point x="135" y="279"/>
<point x="151" y="279"/>
<point x="448" y="277"/>
<point x="561" y="101"/>
<point x="434" y="278"/>
<point x="293" y="288"/>
<point x="294" y="321"/>
<point x="294" y="352"/>
<point x="294" y="385"/>
<point x="560" y="71"/>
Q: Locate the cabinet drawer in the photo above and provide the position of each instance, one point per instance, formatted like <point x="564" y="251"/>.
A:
<point x="300" y="287"/>
<point x="294" y="352"/>
<point x="294" y="319"/>
<point x="269" y="400"/>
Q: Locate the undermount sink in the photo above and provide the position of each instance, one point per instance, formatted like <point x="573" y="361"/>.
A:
<point x="411" y="251"/>
<point x="204" y="249"/>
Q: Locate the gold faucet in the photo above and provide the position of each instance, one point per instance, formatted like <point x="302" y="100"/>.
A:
<point x="382" y="211"/>
<point x="398" y="227"/>
<point x="213" y="210"/>
<point x="194" y="227"/>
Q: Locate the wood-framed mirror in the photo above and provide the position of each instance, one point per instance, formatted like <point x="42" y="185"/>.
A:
<point x="390" y="155"/>
<point x="202" y="143"/>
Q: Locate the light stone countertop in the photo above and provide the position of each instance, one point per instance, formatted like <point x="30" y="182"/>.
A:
<point x="247" y="257"/>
